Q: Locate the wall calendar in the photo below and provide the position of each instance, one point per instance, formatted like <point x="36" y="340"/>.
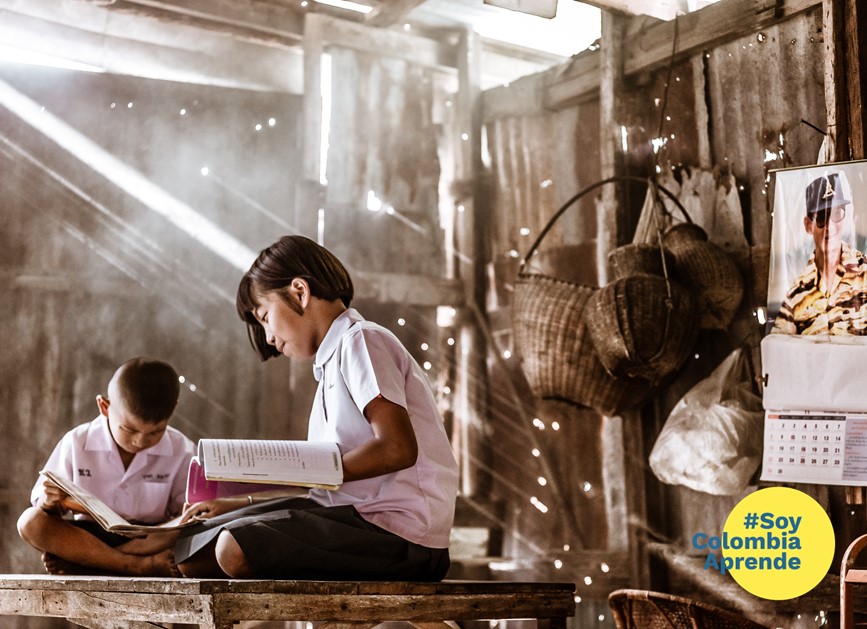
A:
<point x="815" y="447"/>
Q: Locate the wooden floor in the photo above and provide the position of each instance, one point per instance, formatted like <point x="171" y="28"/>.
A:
<point x="114" y="602"/>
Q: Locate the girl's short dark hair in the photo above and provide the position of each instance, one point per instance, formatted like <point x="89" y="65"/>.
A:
<point x="274" y="270"/>
<point x="149" y="388"/>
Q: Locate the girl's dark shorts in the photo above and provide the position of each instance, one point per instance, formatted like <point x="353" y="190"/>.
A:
<point x="297" y="538"/>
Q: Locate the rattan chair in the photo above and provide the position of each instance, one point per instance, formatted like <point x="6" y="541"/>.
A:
<point x="850" y="576"/>
<point x="641" y="609"/>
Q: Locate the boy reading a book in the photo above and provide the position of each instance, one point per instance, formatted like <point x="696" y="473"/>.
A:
<point x="391" y="517"/>
<point x="131" y="459"/>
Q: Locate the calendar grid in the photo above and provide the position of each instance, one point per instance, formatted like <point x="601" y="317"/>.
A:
<point x="827" y="448"/>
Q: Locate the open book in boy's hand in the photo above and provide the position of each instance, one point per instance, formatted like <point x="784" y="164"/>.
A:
<point x="104" y="515"/>
<point x="229" y="467"/>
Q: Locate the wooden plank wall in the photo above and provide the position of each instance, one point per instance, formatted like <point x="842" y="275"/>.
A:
<point x="535" y="169"/>
<point x="383" y="140"/>
<point x="760" y="88"/>
<point x="735" y="107"/>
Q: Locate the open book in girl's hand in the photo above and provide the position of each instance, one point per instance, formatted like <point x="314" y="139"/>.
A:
<point x="228" y="467"/>
<point x="104" y="515"/>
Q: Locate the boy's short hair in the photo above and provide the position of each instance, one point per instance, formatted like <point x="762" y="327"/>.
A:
<point x="149" y="388"/>
<point x="276" y="267"/>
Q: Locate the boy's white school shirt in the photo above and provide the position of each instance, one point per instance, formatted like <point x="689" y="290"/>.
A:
<point x="357" y="361"/>
<point x="149" y="491"/>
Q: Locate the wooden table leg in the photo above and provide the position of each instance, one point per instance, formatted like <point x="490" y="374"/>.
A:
<point x="551" y="623"/>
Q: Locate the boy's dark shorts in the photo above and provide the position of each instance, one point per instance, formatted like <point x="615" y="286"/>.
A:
<point x="112" y="539"/>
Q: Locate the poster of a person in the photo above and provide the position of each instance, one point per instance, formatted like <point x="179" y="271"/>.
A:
<point x="817" y="282"/>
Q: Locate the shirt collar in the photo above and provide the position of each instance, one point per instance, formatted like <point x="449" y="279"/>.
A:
<point x="341" y="324"/>
<point x="98" y="435"/>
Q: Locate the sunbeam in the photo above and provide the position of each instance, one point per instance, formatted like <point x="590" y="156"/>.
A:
<point x="127" y="178"/>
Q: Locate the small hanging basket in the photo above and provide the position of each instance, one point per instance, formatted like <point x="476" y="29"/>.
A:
<point x="558" y="355"/>
<point x="708" y="271"/>
<point x="638" y="258"/>
<point x="642" y="326"/>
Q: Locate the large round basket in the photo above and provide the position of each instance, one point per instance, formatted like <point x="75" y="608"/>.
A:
<point x="553" y="342"/>
<point x="557" y="355"/>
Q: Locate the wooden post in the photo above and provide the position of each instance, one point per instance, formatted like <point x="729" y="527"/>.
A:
<point x="844" y="23"/>
<point x="310" y="191"/>
<point x="611" y="222"/>
<point x="471" y="401"/>
<point x="314" y="46"/>
<point x="610" y="152"/>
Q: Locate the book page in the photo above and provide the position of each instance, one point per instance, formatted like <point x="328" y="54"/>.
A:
<point x="101" y="512"/>
<point x="272" y="461"/>
<point x="104" y="515"/>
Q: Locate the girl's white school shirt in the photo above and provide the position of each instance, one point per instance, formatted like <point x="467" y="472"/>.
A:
<point x="150" y="490"/>
<point x="357" y="361"/>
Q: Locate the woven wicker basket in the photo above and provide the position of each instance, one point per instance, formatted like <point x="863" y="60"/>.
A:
<point x="557" y="354"/>
<point x="643" y="609"/>
<point x="708" y="271"/>
<point x="642" y="326"/>
<point x="636" y="258"/>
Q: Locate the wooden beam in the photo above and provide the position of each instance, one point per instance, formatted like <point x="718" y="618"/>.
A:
<point x="645" y="50"/>
<point x="581" y="79"/>
<point x="541" y="8"/>
<point x="249" y="18"/>
<point x="558" y="88"/>
<point x="148" y="47"/>
<point x="415" y="290"/>
<point x="36" y="281"/>
<point x="660" y="9"/>
<point x="707" y="28"/>
<point x="501" y="63"/>
<point x="389" y="12"/>
<point x="412" y="48"/>
<point x="524" y="97"/>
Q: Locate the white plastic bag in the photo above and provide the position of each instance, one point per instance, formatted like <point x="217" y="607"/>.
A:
<point x="712" y="440"/>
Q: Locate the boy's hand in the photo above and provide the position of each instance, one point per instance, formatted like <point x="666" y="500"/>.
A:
<point x="211" y="508"/>
<point x="56" y="500"/>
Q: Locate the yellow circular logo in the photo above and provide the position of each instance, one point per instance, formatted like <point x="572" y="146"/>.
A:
<point x="777" y="543"/>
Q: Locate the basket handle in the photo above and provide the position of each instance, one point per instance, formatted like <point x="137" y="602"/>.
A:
<point x="590" y="188"/>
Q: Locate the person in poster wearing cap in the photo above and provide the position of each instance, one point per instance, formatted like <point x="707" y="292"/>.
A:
<point x="830" y="296"/>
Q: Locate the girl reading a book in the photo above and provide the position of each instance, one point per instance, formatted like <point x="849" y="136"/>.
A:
<point x="390" y="518"/>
